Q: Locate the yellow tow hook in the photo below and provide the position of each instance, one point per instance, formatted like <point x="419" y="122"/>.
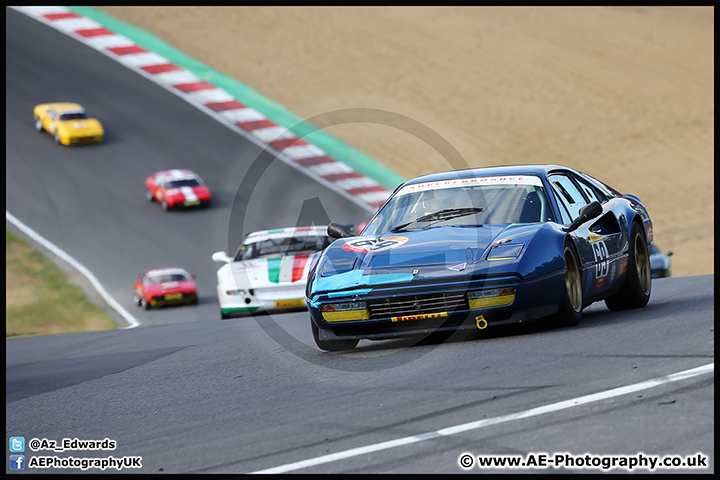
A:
<point x="480" y="322"/>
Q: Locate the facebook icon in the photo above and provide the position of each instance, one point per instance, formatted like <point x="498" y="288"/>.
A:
<point x="17" y="462"/>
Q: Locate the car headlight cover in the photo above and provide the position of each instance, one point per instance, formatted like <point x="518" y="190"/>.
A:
<point x="344" y="312"/>
<point x="496" y="297"/>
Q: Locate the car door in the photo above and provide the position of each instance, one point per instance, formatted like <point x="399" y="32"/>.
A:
<point x="139" y="291"/>
<point x="158" y="181"/>
<point x="600" y="241"/>
<point x="592" y="251"/>
<point x="50" y="120"/>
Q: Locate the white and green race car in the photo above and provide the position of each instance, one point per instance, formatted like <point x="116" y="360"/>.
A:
<point x="269" y="270"/>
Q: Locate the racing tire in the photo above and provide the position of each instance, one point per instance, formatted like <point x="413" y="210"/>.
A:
<point x="145" y="304"/>
<point x="165" y="205"/>
<point x="150" y="197"/>
<point x="635" y="291"/>
<point x="38" y="124"/>
<point x="57" y="137"/>
<point x="331" y="345"/>
<point x="571" y="304"/>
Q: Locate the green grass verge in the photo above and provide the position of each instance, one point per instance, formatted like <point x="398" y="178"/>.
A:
<point x="39" y="298"/>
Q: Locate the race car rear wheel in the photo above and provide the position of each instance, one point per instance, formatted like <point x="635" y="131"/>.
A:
<point x="38" y="124"/>
<point x="635" y="291"/>
<point x="331" y="345"/>
<point x="571" y="304"/>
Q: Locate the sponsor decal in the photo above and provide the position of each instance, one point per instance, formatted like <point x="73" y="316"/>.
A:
<point x="623" y="268"/>
<point x="471" y="182"/>
<point x="296" y="302"/>
<point x="173" y="296"/>
<point x="367" y="245"/>
<point x="595" y="238"/>
<point x="602" y="265"/>
<point x="458" y="268"/>
<point x="419" y="316"/>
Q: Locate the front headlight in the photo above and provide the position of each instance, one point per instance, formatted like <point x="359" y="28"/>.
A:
<point x="496" y="297"/>
<point x="344" y="312"/>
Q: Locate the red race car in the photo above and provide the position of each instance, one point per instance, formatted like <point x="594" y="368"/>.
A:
<point x="177" y="188"/>
<point x="165" y="286"/>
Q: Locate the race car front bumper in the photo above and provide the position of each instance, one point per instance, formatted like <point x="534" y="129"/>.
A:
<point x="384" y="313"/>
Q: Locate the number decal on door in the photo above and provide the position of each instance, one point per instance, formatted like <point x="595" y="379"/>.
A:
<point x="602" y="264"/>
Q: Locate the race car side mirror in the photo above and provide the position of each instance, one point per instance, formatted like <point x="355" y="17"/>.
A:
<point x="588" y="212"/>
<point x="337" y="230"/>
<point x="221" y="257"/>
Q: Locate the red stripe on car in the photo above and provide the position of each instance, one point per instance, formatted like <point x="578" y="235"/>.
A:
<point x="299" y="266"/>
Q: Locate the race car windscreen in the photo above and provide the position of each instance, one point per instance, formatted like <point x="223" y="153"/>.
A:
<point x="472" y="201"/>
<point x="283" y="246"/>
<point x="166" y="277"/>
<point x="185" y="182"/>
<point x="72" y="116"/>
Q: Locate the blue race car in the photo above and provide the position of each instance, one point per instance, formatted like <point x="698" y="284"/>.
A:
<point x="487" y="246"/>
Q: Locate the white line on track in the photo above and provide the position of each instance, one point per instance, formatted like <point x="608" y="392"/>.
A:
<point x="75" y="264"/>
<point x="443" y="432"/>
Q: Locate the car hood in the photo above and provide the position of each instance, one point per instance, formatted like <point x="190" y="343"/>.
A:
<point x="85" y="126"/>
<point x="447" y="252"/>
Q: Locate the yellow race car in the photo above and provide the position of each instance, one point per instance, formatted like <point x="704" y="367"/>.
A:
<point x="68" y="123"/>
